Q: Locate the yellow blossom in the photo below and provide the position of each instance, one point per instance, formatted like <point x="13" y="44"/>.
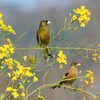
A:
<point x="35" y="79"/>
<point x="90" y="75"/>
<point x="25" y="57"/>
<point x="9" y="88"/>
<point x="15" y="94"/>
<point x="82" y="24"/>
<point x="8" y="40"/>
<point x="1" y="15"/>
<point x="9" y="62"/>
<point x="9" y="74"/>
<point x="1" y="22"/>
<point x="94" y="59"/>
<point x="82" y="15"/>
<point x="32" y="60"/>
<point x="74" y="17"/>
<point x="61" y="66"/>
<point x="10" y="67"/>
<point x="86" y="82"/>
<point x="75" y="28"/>
<point x="23" y="94"/>
<point x="14" y="78"/>
<point x="21" y="87"/>
<point x="28" y="73"/>
<point x="95" y="54"/>
<point x="61" y="58"/>
<point x="99" y="44"/>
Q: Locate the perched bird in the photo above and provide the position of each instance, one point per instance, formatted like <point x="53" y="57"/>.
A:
<point x="70" y="75"/>
<point x="43" y="37"/>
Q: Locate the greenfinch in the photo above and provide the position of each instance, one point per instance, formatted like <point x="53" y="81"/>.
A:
<point x="70" y="75"/>
<point x="43" y="37"/>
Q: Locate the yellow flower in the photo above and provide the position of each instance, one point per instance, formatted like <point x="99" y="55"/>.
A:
<point x="10" y="67"/>
<point x="8" y="40"/>
<point x="95" y="54"/>
<point x="94" y="59"/>
<point x="32" y="60"/>
<point x="99" y="44"/>
<point x="61" y="59"/>
<point x="23" y="94"/>
<point x="9" y="74"/>
<point x="75" y="28"/>
<point x="25" y="57"/>
<point x="74" y="17"/>
<point x="1" y="22"/>
<point x="82" y="24"/>
<point x="90" y="75"/>
<point x="9" y="62"/>
<point x="92" y="79"/>
<point x="61" y="66"/>
<point x="28" y="73"/>
<point x="35" y="79"/>
<point x="82" y="15"/>
<point x="14" y="78"/>
<point x="1" y="15"/>
<point x="10" y="30"/>
<point x="9" y="88"/>
<point x="86" y="82"/>
<point x="15" y="94"/>
<point x="21" y="87"/>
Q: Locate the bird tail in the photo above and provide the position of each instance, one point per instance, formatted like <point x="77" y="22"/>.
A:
<point x="47" y="53"/>
<point x="56" y="85"/>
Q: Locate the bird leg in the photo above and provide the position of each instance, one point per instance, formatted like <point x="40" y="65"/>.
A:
<point x="64" y="86"/>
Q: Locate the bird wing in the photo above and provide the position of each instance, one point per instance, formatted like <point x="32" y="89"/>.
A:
<point x="71" y="73"/>
<point x="43" y="37"/>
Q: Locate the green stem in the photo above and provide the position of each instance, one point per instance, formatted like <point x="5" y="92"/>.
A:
<point x="63" y="48"/>
<point x="61" y="30"/>
<point x="70" y="87"/>
<point x="47" y="66"/>
<point x="40" y="88"/>
<point x="40" y="71"/>
<point x="6" y="96"/>
<point x="26" y="90"/>
<point x="3" y="37"/>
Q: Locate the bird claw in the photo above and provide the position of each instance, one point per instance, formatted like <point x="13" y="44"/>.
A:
<point x="50" y="55"/>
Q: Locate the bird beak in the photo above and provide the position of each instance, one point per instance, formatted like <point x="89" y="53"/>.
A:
<point x="48" y="22"/>
<point x="78" y="64"/>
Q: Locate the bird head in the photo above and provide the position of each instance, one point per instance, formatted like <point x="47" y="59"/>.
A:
<point x="75" y="64"/>
<point x="44" y="23"/>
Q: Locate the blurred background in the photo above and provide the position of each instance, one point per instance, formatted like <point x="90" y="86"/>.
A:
<point x="25" y="16"/>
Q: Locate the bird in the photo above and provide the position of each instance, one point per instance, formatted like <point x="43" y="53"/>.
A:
<point x="69" y="76"/>
<point x="43" y="37"/>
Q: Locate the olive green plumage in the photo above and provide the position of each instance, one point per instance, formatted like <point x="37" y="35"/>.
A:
<point x="43" y="37"/>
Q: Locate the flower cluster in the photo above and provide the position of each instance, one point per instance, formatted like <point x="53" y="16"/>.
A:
<point x="5" y="28"/>
<point x="21" y="74"/>
<point x="82" y="15"/>
<point x="95" y="56"/>
<point x="90" y="76"/>
<point x="14" y="92"/>
<point x="61" y="58"/>
<point x="7" y="49"/>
